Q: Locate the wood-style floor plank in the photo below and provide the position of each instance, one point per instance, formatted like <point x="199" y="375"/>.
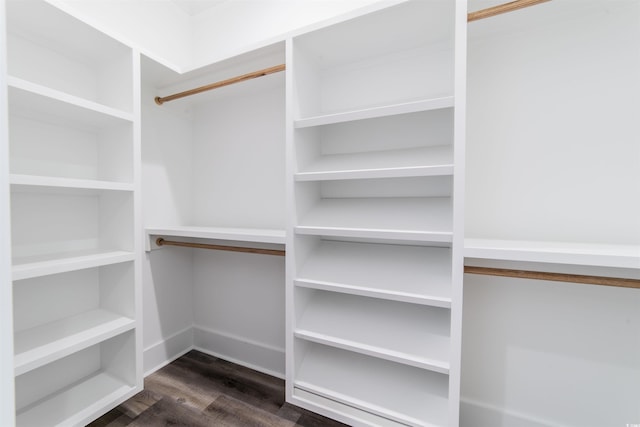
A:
<point x="168" y="412"/>
<point x="229" y="412"/>
<point x="198" y="390"/>
<point x="258" y="389"/>
<point x="173" y="382"/>
<point x="139" y="403"/>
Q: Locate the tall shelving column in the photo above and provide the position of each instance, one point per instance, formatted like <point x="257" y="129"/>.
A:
<point x="7" y="416"/>
<point x="376" y="134"/>
<point x="74" y="144"/>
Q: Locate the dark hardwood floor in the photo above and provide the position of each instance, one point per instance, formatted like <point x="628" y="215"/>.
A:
<point x="201" y="390"/>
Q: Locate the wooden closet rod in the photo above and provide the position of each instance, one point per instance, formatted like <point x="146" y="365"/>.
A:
<point x="502" y="8"/>
<point x="266" y="71"/>
<point x="162" y="242"/>
<point x="555" y="277"/>
<point x="486" y="271"/>
<point x="472" y="16"/>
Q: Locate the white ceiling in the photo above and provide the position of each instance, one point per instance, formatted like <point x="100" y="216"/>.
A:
<point x="194" y="7"/>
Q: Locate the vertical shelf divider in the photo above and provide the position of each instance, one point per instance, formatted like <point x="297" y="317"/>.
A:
<point x="7" y="403"/>
<point x="73" y="176"/>
<point x="375" y="134"/>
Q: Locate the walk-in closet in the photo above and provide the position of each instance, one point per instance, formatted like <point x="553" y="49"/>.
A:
<point x="413" y="212"/>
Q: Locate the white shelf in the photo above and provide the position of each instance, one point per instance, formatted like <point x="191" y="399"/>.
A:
<point x="74" y="113"/>
<point x="40" y="345"/>
<point x="32" y="181"/>
<point x="403" y="218"/>
<point x="228" y="234"/>
<point x="412" y="274"/>
<point x="425" y="161"/>
<point x="36" y="101"/>
<point x="382" y="111"/>
<point x="341" y="411"/>
<point x="36" y="266"/>
<point x="258" y="235"/>
<point x="601" y="255"/>
<point x="74" y="406"/>
<point x="399" y="392"/>
<point x="405" y="333"/>
<point x="373" y="143"/>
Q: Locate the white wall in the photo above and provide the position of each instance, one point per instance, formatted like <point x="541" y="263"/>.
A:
<point x="167" y="160"/>
<point x="553" y="154"/>
<point x="235" y="26"/>
<point x="216" y="159"/>
<point x="553" y="111"/>
<point x="166" y="200"/>
<point x="168" y="34"/>
<point x="167" y="306"/>
<point x="239" y="308"/>
<point x="158" y="28"/>
<point x="238" y="157"/>
<point x="239" y="181"/>
<point x="559" y="354"/>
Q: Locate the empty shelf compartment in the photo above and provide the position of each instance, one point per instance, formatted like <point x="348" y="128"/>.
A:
<point x="412" y="334"/>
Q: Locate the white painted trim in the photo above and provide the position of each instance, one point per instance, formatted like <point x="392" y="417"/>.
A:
<point x="458" y="196"/>
<point x="242" y="351"/>
<point x="589" y="254"/>
<point x="482" y="413"/>
<point x="240" y="362"/>
<point x="290" y="257"/>
<point x="167" y="350"/>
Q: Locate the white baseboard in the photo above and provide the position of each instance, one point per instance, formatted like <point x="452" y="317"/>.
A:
<point x="164" y="352"/>
<point x="474" y="413"/>
<point x="271" y="360"/>
<point x="255" y="355"/>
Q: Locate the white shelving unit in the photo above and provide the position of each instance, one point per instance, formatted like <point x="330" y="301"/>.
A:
<point x="73" y="163"/>
<point x="375" y="241"/>
<point x="571" y="253"/>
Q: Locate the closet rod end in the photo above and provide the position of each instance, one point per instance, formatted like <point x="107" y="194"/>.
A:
<point x="159" y="241"/>
<point x="158" y="100"/>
